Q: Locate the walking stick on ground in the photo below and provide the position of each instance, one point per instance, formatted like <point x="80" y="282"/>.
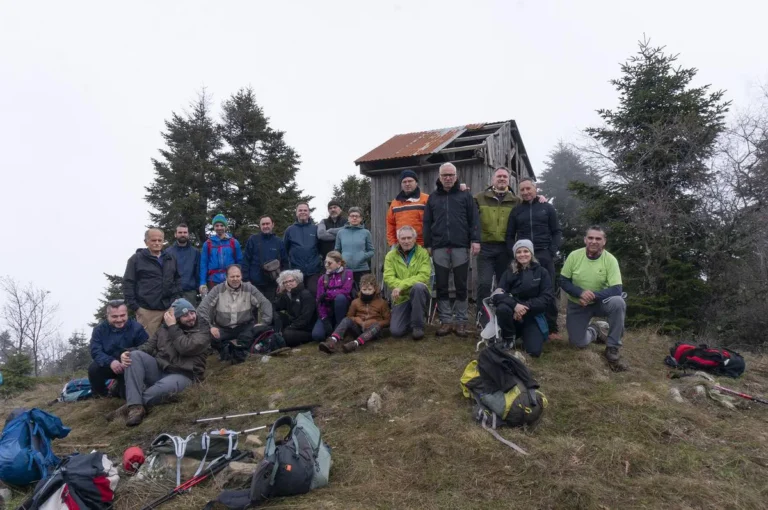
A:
<point x="259" y="413"/>
<point x="740" y="394"/>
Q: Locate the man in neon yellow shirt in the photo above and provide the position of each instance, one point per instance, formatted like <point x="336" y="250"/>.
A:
<point x="592" y="280"/>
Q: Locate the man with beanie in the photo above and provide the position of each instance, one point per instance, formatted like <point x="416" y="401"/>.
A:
<point x="301" y="244"/>
<point x="188" y="262"/>
<point x="592" y="279"/>
<point x="172" y="359"/>
<point x="329" y="227"/>
<point x="219" y="251"/>
<point x="109" y="339"/>
<point x="151" y="281"/>
<point x="451" y="234"/>
<point x="407" y="208"/>
<point x="262" y="249"/>
<point x="494" y="205"/>
<point x="536" y="220"/>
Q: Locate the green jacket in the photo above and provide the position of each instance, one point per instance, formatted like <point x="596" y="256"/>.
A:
<point x="401" y="275"/>
<point x="494" y="214"/>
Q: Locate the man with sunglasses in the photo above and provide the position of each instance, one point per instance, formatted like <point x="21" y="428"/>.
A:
<point x="451" y="233"/>
<point x="117" y="334"/>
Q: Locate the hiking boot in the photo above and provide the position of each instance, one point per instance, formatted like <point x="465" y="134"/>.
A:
<point x="329" y="346"/>
<point x="121" y="412"/>
<point x="350" y="346"/>
<point x="461" y="330"/>
<point x="601" y="331"/>
<point x="612" y="354"/>
<point x="417" y="333"/>
<point x="136" y="415"/>
<point x="555" y="336"/>
<point x="444" y="329"/>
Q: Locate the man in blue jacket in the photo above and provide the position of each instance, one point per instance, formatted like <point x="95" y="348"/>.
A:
<point x="187" y="262"/>
<point x="261" y="249"/>
<point x="110" y="339"/>
<point x="220" y="251"/>
<point x="301" y="245"/>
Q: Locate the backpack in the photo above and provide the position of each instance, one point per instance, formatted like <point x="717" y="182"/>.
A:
<point x="295" y="464"/>
<point x="208" y="245"/>
<point x="267" y="342"/>
<point x="26" y="455"/>
<point x="210" y="446"/>
<point x="719" y="361"/>
<point x="86" y="482"/>
<point x="503" y="390"/>
<point x="78" y="389"/>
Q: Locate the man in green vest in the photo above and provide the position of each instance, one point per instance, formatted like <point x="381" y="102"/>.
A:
<point x="494" y="204"/>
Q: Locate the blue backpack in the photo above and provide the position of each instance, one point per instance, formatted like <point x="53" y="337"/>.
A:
<point x="25" y="446"/>
<point x="77" y="389"/>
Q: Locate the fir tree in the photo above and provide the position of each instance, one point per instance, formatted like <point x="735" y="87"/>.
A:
<point x="259" y="169"/>
<point x="183" y="187"/>
<point x="113" y="291"/>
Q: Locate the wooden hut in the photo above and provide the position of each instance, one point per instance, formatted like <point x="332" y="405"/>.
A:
<point x="477" y="150"/>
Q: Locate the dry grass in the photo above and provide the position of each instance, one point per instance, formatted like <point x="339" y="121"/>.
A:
<point x="607" y="441"/>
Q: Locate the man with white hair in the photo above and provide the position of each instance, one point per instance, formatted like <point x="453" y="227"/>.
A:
<point x="406" y="273"/>
<point x="450" y="233"/>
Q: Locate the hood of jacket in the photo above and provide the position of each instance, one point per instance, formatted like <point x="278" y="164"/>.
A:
<point x="413" y="195"/>
<point x="454" y="188"/>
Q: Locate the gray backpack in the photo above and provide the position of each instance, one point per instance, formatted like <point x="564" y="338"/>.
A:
<point x="295" y="464"/>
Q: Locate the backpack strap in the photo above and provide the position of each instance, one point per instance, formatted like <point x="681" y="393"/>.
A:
<point x="179" y="448"/>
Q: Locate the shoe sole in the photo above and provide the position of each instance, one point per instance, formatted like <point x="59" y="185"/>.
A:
<point x="324" y="348"/>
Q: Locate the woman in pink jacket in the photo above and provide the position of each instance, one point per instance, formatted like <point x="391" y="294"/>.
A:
<point x="334" y="294"/>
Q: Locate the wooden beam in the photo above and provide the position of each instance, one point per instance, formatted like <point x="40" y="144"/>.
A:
<point x="418" y="167"/>
<point x="464" y="148"/>
<point x="475" y="137"/>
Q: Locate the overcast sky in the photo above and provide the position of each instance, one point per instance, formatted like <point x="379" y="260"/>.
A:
<point x="85" y="88"/>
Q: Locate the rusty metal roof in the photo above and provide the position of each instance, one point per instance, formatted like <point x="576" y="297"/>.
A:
<point x="415" y="144"/>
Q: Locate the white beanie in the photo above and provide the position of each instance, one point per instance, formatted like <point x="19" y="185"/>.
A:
<point x="523" y="243"/>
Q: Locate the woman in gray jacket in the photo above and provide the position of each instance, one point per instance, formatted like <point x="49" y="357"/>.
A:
<point x="355" y="243"/>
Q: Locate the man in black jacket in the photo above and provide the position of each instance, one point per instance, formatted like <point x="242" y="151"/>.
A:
<point x="151" y="281"/>
<point x="329" y="227"/>
<point x="450" y="233"/>
<point x="538" y="222"/>
<point x="187" y="262"/>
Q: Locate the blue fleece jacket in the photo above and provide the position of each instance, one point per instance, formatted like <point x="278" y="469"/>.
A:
<point x="216" y="256"/>
<point x="259" y="249"/>
<point x="301" y="244"/>
<point x="356" y="246"/>
<point x="107" y="343"/>
<point x="187" y="263"/>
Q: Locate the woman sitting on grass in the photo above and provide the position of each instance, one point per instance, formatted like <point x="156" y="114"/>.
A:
<point x="366" y="318"/>
<point x="522" y="298"/>
<point x="334" y="293"/>
<point x="295" y="310"/>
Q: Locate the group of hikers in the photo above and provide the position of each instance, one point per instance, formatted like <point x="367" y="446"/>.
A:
<point x="315" y="284"/>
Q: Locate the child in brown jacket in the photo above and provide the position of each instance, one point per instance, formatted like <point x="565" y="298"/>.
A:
<point x="368" y="315"/>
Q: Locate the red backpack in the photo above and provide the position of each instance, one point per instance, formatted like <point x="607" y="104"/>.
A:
<point x="208" y="245"/>
<point x="717" y="360"/>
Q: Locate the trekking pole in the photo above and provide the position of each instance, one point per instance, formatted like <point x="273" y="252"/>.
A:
<point x="216" y="468"/>
<point x="259" y="413"/>
<point x="740" y="394"/>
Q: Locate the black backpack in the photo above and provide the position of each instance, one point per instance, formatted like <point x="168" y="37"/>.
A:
<point x="718" y="360"/>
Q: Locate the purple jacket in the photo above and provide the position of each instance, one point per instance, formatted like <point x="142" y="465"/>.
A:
<point x="339" y="284"/>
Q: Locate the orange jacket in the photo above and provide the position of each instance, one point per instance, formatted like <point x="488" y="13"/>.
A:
<point x="406" y="211"/>
<point x="368" y="314"/>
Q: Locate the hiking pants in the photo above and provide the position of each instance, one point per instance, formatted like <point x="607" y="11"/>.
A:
<point x="492" y="261"/>
<point x="545" y="259"/>
<point x="322" y="329"/>
<point x="410" y="314"/>
<point x="243" y="333"/>
<point x="449" y="260"/>
<point x="613" y="308"/>
<point x="528" y="329"/>
<point x="354" y="329"/>
<point x="146" y="384"/>
<point x="293" y="337"/>
<point x="150" y="319"/>
<point x="98" y="375"/>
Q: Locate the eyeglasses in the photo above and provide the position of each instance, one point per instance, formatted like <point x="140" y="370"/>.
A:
<point x="448" y="175"/>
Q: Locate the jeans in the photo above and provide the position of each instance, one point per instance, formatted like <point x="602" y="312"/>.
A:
<point x="527" y="329"/>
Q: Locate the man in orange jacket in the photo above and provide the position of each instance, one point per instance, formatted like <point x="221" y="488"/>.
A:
<point x="407" y="208"/>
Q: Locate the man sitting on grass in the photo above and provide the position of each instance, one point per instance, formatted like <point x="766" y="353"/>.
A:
<point x="172" y="359"/>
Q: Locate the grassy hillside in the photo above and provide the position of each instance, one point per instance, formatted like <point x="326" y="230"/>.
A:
<point x="607" y="441"/>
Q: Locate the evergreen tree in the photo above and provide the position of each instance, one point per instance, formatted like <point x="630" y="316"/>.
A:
<point x="113" y="291"/>
<point x="658" y="142"/>
<point x="259" y="169"/>
<point x="17" y="371"/>
<point x="183" y="187"/>
<point x="354" y="191"/>
<point x="563" y="167"/>
<point x="78" y="357"/>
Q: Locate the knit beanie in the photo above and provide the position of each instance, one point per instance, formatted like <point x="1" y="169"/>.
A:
<point x="182" y="307"/>
<point x="334" y="202"/>
<point x="408" y="173"/>
<point x="219" y="218"/>
<point x="523" y="243"/>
